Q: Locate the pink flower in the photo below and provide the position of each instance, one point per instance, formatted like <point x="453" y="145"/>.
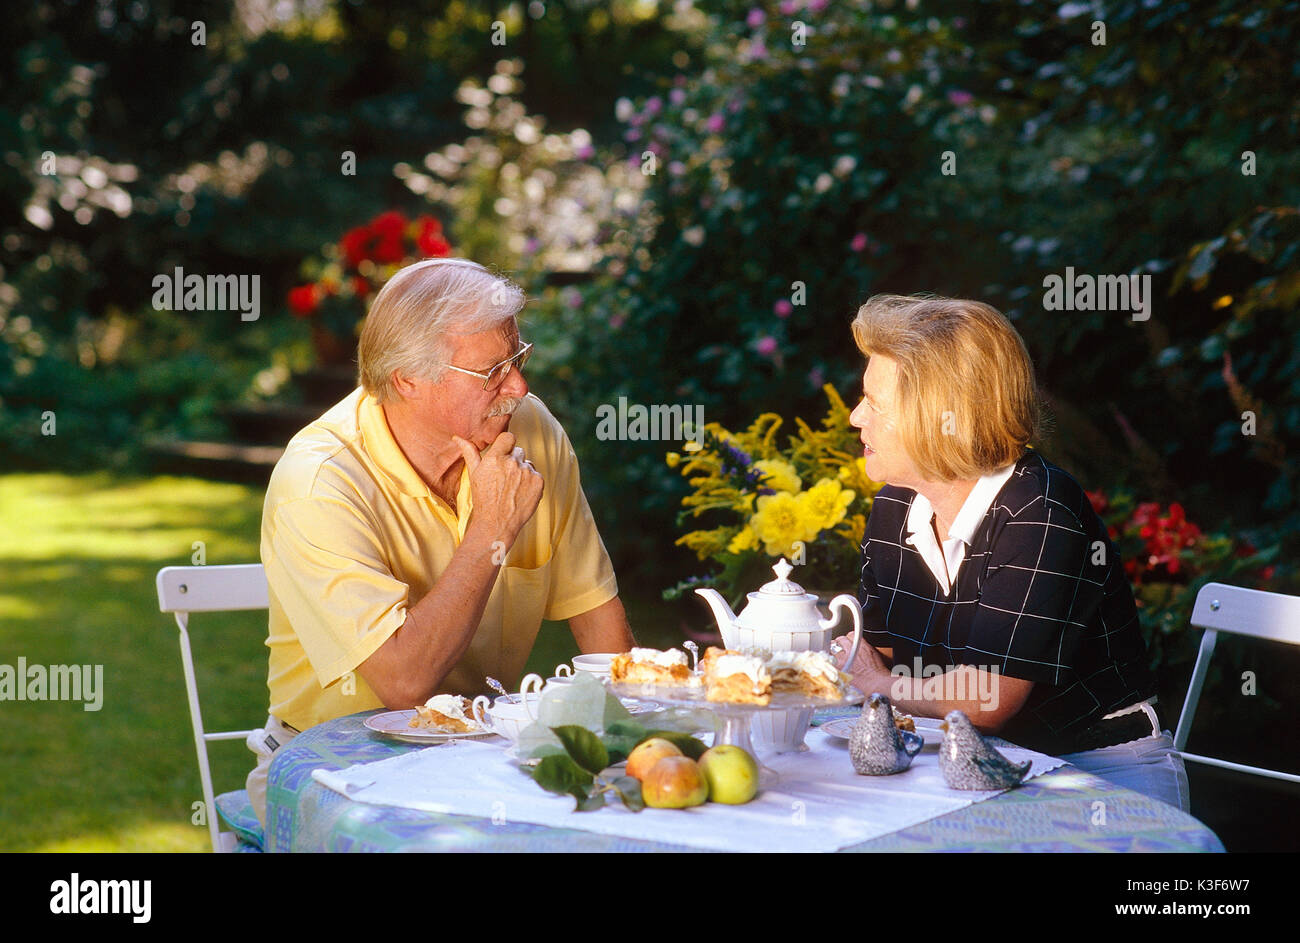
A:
<point x="766" y="345"/>
<point x="817" y="377"/>
<point x="758" y="49"/>
<point x="756" y="18"/>
<point x="816" y="6"/>
<point x="716" y="123"/>
<point x="783" y="308"/>
<point x="959" y="97"/>
<point x="654" y="105"/>
<point x="616" y="320"/>
<point x="586" y="152"/>
<point x="789" y="7"/>
<point x="859" y="242"/>
<point x="677" y="96"/>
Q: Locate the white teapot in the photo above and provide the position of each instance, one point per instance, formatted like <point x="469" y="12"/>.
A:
<point x="781" y="617"/>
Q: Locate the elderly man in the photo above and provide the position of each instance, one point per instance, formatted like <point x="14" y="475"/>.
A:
<point x="416" y="535"/>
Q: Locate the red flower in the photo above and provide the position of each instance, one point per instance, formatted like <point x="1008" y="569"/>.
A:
<point x="389" y="249"/>
<point x="388" y="225"/>
<point x="430" y="240"/>
<point x="304" y="300"/>
<point x="1099" y="502"/>
<point x="360" y="286"/>
<point x="353" y="245"/>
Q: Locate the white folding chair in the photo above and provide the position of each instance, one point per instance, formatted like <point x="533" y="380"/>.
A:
<point x="186" y="589"/>
<point x="1253" y="612"/>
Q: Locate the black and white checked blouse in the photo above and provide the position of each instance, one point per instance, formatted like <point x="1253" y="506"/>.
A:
<point x="1028" y="600"/>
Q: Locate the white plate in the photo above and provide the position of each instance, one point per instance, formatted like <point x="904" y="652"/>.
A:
<point x="395" y="724"/>
<point x="926" y="727"/>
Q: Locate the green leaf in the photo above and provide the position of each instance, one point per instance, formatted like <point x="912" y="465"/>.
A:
<point x="584" y="746"/>
<point x="586" y="803"/>
<point x="626" y="728"/>
<point x="629" y="790"/>
<point x="561" y="775"/>
<point x="683" y="741"/>
<point x="621" y="738"/>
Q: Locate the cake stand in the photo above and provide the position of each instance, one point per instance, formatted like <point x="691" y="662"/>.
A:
<point x="732" y="721"/>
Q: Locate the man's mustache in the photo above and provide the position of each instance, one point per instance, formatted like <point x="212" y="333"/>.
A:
<point x="505" y="407"/>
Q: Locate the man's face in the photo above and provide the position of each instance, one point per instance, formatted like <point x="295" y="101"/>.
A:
<point x="458" y="405"/>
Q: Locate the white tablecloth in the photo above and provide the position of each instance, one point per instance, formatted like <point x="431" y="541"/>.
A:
<point x="818" y="803"/>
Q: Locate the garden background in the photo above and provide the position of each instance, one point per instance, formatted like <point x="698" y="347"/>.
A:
<point x="696" y="196"/>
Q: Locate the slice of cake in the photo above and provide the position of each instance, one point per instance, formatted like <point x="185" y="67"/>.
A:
<point x="812" y="674"/>
<point x="650" y="666"/>
<point x="733" y="678"/>
<point x="903" y="721"/>
<point x="448" y="713"/>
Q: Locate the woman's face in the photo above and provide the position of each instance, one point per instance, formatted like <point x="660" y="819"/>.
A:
<point x="876" y="418"/>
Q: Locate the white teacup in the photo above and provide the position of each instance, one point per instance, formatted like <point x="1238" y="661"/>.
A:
<point x="594" y="664"/>
<point x="509" y="715"/>
<point x="563" y="675"/>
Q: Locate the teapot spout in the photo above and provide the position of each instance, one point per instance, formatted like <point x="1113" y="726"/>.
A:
<point x="721" y="612"/>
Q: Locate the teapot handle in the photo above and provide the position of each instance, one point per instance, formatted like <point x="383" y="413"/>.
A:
<point x="845" y="601"/>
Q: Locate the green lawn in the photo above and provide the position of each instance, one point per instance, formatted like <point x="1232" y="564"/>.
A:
<point x="78" y="555"/>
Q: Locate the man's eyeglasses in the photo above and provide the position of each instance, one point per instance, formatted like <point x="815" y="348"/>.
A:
<point x="493" y="379"/>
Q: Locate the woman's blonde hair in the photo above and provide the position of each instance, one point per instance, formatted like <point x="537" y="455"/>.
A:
<point x="966" y="403"/>
<point x="416" y="311"/>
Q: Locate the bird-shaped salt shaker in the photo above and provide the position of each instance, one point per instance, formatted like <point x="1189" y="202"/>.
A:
<point x="877" y="747"/>
<point x="968" y="762"/>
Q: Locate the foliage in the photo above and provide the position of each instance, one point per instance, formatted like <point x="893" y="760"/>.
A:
<point x="1168" y="559"/>
<point x="131" y="150"/>
<point x="808" y="501"/>
<point x="789" y="182"/>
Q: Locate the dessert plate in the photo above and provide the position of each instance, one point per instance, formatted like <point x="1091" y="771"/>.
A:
<point x="926" y="728"/>
<point x="395" y="724"/>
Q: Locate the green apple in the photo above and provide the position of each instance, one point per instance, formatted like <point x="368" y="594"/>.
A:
<point x="732" y="774"/>
<point x="674" y="782"/>
<point x="647" y="754"/>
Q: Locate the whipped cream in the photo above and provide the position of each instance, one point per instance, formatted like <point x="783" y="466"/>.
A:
<point x="449" y="705"/>
<point x="809" y="663"/>
<point x="655" y="657"/>
<point x="727" y="665"/>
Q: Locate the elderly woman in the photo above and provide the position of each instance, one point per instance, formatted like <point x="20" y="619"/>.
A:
<point x="988" y="582"/>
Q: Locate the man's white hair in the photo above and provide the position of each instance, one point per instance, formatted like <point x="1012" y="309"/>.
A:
<point x="419" y="308"/>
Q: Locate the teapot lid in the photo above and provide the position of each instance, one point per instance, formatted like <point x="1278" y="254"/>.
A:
<point x="782" y="586"/>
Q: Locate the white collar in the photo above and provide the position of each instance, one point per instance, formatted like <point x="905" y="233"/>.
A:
<point x="943" y="563"/>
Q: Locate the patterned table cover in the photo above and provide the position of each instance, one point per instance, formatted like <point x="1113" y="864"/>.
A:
<point x="1052" y="812"/>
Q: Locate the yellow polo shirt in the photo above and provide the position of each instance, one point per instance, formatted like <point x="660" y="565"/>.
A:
<point x="352" y="537"/>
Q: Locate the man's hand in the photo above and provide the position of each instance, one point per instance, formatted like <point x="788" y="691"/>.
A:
<point x="505" y="485"/>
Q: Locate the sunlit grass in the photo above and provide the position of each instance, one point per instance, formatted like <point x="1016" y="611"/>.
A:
<point x="78" y="557"/>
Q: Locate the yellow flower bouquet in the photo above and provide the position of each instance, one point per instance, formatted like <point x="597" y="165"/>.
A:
<point x="807" y="502"/>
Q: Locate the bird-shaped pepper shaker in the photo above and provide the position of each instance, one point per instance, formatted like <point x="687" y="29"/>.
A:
<point x="876" y="746"/>
<point x="968" y="762"/>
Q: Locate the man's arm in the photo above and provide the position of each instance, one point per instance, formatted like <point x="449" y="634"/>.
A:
<point x="603" y="629"/>
<point x="408" y="667"/>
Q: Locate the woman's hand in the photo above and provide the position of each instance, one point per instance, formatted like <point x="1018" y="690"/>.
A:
<point x="869" y="672"/>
